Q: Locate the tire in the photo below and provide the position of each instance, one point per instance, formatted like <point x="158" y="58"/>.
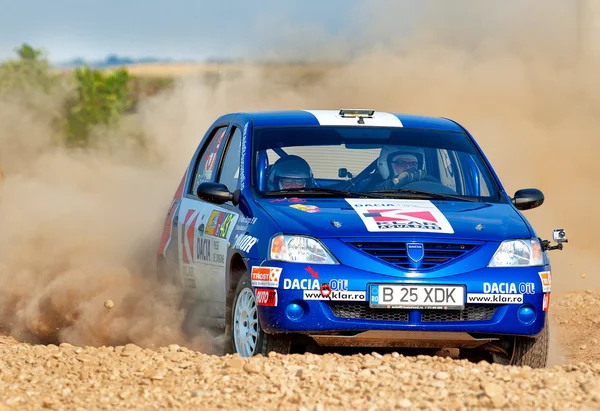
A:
<point x="247" y="337"/>
<point x="528" y="351"/>
<point x="532" y="351"/>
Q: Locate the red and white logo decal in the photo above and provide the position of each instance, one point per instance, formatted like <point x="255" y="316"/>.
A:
<point x="325" y="290"/>
<point x="187" y="239"/>
<point x="266" y="297"/>
<point x="266" y="276"/>
<point x="546" y="277"/>
<point x="168" y="224"/>
<point x="401" y="215"/>
<point x="546" y="304"/>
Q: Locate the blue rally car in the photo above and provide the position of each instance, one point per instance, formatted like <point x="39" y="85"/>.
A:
<point x="356" y="228"/>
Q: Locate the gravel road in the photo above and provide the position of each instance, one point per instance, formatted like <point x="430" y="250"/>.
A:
<point x="130" y="377"/>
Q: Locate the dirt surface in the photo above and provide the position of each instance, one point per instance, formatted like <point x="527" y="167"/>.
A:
<point x="131" y="377"/>
<point x="577" y="319"/>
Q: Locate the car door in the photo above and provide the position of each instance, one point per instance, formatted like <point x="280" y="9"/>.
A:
<point x="222" y="218"/>
<point x="207" y="227"/>
<point x="198" y="278"/>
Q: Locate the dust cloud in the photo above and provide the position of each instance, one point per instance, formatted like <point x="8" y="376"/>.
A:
<point x="79" y="227"/>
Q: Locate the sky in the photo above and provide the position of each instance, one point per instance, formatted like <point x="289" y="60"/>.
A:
<point x="190" y="29"/>
<point x="203" y="29"/>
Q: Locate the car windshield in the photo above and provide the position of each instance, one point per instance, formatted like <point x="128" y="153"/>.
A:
<point x="370" y="161"/>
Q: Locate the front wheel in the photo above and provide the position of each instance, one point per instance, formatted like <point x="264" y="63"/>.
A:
<point x="247" y="337"/>
<point x="530" y="351"/>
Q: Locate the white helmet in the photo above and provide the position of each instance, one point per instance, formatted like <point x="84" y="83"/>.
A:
<point x="290" y="166"/>
<point x="388" y="152"/>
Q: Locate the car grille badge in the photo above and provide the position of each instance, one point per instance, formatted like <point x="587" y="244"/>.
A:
<point x="415" y="252"/>
<point x="479" y="227"/>
<point x="336" y="224"/>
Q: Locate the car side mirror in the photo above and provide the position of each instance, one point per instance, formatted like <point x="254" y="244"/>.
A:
<point x="343" y="172"/>
<point x="528" y="198"/>
<point x="217" y="193"/>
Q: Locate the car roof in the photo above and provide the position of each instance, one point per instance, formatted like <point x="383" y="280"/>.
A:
<point x="296" y="118"/>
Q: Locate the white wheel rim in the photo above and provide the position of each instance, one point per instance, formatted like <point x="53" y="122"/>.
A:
<point x="245" y="323"/>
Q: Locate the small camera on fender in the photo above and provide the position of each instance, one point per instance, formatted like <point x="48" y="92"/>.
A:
<point x="559" y="235"/>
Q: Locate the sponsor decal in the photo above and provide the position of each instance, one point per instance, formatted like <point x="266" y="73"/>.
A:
<point x="244" y="242"/>
<point x="203" y="247"/>
<point x="189" y="282"/>
<point x="289" y="200"/>
<point x="244" y="222"/>
<point x="546" y="304"/>
<point x="303" y="284"/>
<point x="189" y="278"/>
<point x="266" y="297"/>
<point x="209" y="158"/>
<point x="400" y="215"/>
<point x="335" y="295"/>
<point x="209" y="251"/>
<point x="219" y="224"/>
<point x="305" y="207"/>
<point x="266" y="276"/>
<point x="509" y="288"/>
<point x="479" y="298"/>
<point x="243" y="155"/>
<point x="314" y="284"/>
<point x="546" y="277"/>
<point x="187" y="237"/>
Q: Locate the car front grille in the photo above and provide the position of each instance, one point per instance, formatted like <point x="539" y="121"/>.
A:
<point x="435" y="254"/>
<point x="470" y="313"/>
<point x="362" y="311"/>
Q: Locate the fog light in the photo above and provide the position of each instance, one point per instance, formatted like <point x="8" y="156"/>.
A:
<point x="526" y="314"/>
<point x="294" y="311"/>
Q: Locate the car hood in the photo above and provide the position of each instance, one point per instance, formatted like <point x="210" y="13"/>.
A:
<point x="329" y="218"/>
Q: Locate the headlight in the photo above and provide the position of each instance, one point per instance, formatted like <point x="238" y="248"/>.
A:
<point x="518" y="253"/>
<point x="299" y="249"/>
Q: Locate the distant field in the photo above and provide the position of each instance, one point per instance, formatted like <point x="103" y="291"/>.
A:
<point x="174" y="70"/>
<point x="162" y="69"/>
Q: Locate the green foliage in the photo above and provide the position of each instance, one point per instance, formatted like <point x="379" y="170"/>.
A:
<point x="90" y="99"/>
<point x="28" y="53"/>
<point x="100" y="99"/>
<point x="31" y="72"/>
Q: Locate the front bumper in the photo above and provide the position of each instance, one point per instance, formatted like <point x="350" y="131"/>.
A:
<point x="293" y="313"/>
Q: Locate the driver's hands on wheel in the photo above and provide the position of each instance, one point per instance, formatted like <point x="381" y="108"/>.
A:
<point x="409" y="176"/>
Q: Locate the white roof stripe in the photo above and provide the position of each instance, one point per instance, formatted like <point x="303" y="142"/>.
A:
<point x="333" y="118"/>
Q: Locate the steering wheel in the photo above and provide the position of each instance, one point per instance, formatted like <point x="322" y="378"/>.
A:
<point x="430" y="184"/>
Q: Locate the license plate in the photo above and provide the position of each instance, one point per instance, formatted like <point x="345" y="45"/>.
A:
<point x="413" y="296"/>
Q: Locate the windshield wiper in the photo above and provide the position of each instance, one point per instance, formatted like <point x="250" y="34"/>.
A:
<point x="418" y="193"/>
<point x="318" y="190"/>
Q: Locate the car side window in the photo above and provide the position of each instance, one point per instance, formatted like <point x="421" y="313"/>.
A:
<point x="207" y="160"/>
<point x="230" y="169"/>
